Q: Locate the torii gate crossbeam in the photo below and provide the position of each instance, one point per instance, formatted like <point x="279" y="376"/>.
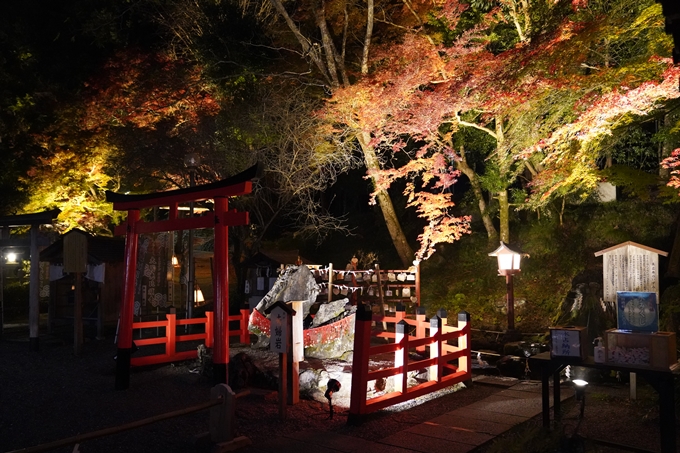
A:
<point x="220" y="219"/>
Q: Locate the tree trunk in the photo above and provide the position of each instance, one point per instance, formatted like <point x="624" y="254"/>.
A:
<point x="329" y="47"/>
<point x="476" y="185"/>
<point x="668" y="144"/>
<point x="504" y="211"/>
<point x="404" y="250"/>
<point x="367" y="40"/>
<point x="673" y="270"/>
<point x="303" y="41"/>
<point x="503" y="165"/>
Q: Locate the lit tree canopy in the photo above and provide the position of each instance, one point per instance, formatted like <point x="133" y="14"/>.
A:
<point x="588" y="70"/>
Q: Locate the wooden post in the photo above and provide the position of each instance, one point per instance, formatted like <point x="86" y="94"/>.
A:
<point x="330" y="282"/>
<point x="417" y="264"/>
<point x="296" y="354"/>
<point x="362" y="346"/>
<point x="209" y="330"/>
<point x="78" y="314"/>
<point x="400" y="311"/>
<point x="435" y="348"/>
<point x="222" y="417"/>
<point x="633" y="386"/>
<point x="464" y="363"/>
<point x="34" y="292"/>
<point x="420" y="326"/>
<point x="283" y="384"/>
<point x="221" y="291"/>
<point x="127" y="305"/>
<point x="510" y="297"/>
<point x="281" y="330"/>
<point x="443" y="315"/>
<point x="75" y="262"/>
<point x="401" y="355"/>
<point x="243" y="324"/>
<point x="171" y="334"/>
<point x="381" y="297"/>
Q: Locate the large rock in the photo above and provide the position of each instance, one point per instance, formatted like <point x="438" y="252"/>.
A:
<point x="330" y="310"/>
<point x="294" y="283"/>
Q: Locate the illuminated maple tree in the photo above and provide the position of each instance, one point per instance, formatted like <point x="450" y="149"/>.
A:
<point x="422" y="94"/>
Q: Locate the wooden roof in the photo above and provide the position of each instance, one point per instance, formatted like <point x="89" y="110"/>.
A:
<point x="100" y="249"/>
<point x="634" y="244"/>
<point x="239" y="184"/>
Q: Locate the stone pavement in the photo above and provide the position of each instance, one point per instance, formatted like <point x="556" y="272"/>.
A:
<point x="458" y="431"/>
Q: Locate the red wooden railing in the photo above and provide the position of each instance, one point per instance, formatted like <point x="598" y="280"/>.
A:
<point x="447" y="364"/>
<point x="171" y="338"/>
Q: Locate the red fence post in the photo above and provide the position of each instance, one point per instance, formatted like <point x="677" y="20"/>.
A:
<point x="443" y="315"/>
<point x="420" y="326"/>
<point x="400" y="312"/>
<point x="243" y="326"/>
<point x="170" y="334"/>
<point x="465" y="362"/>
<point x="209" y="329"/>
<point x="362" y="346"/>
<point x="401" y="356"/>
<point x="435" y="373"/>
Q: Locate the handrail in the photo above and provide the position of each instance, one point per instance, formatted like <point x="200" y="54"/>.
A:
<point x="117" y="429"/>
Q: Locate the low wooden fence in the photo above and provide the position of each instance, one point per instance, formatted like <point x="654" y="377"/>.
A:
<point x="172" y="337"/>
<point x="221" y="424"/>
<point x="447" y="364"/>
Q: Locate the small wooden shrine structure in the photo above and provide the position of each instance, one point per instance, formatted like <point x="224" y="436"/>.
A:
<point x="101" y="289"/>
<point x="220" y="219"/>
<point x="34" y="221"/>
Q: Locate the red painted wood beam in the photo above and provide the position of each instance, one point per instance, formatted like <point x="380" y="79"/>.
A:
<point x="173" y="196"/>
<point x="127" y="305"/>
<point x="231" y="218"/>
<point x="221" y="291"/>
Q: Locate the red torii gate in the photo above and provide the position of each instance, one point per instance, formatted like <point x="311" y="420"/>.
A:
<point x="220" y="219"/>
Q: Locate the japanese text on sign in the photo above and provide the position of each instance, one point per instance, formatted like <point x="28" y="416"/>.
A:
<point x="279" y="331"/>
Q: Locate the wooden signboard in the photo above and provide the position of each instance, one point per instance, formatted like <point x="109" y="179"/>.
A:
<point x="630" y="267"/>
<point x="279" y="330"/>
<point x="75" y="252"/>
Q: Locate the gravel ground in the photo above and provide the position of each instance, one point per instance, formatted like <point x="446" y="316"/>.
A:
<point x="53" y="394"/>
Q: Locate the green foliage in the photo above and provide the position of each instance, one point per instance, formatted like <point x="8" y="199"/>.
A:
<point x="670" y="309"/>
<point x="502" y="37"/>
<point x="635" y="220"/>
<point x="633" y="182"/>
<point x="15" y="301"/>
<point x="464" y="277"/>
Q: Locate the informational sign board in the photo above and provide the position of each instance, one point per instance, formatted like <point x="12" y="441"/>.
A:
<point x="630" y="267"/>
<point x="279" y="330"/>
<point x="637" y="311"/>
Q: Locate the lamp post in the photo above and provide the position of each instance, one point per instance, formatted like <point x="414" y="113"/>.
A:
<point x="191" y="161"/>
<point x="580" y="390"/>
<point x="508" y="265"/>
